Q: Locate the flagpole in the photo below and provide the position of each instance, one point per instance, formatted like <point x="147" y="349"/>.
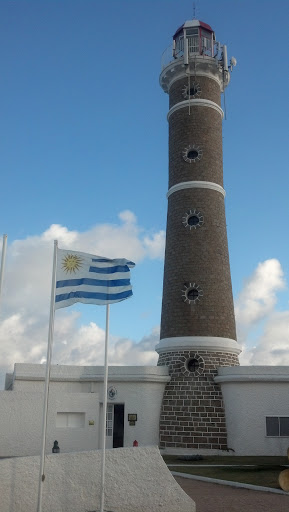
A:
<point x="47" y="379"/>
<point x="104" y="410"/>
<point x="3" y="258"/>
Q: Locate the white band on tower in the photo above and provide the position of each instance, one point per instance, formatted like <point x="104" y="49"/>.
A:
<point x="196" y="184"/>
<point x="196" y="102"/>
<point x="210" y="343"/>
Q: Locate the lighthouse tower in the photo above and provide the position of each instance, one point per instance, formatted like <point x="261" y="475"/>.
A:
<point x="198" y="332"/>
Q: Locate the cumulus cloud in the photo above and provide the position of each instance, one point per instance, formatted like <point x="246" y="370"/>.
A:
<point x="24" y="316"/>
<point x="128" y="217"/>
<point x="155" y="245"/>
<point x="272" y="347"/>
<point x="26" y="295"/>
<point x="259" y="294"/>
<point x="26" y="341"/>
<point x="255" y="310"/>
<point x="84" y="345"/>
<point x="29" y="261"/>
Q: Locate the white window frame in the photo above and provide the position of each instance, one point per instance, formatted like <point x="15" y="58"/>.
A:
<point x="109" y="420"/>
<point x="69" y="417"/>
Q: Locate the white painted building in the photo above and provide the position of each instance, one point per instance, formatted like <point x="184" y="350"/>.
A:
<point x="75" y="407"/>
<point x="256" y="402"/>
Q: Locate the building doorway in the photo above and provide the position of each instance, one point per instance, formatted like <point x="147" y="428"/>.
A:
<point x="114" y="425"/>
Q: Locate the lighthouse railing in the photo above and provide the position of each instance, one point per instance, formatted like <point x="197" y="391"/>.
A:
<point x="169" y="56"/>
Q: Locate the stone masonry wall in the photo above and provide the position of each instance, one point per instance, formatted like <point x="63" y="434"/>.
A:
<point x="208" y="89"/>
<point x="200" y="255"/>
<point x="192" y="414"/>
<point x="197" y="291"/>
<point x="196" y="257"/>
<point x="202" y="127"/>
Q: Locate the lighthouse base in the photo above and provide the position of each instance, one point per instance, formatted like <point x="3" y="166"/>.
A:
<point x="193" y="415"/>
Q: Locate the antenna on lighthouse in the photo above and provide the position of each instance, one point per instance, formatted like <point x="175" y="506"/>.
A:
<point x="186" y="51"/>
<point x="194" y="10"/>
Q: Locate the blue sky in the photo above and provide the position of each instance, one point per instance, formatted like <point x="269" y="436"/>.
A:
<point x="83" y="136"/>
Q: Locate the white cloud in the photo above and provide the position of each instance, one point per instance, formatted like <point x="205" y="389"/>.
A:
<point x="29" y="261"/>
<point x="272" y="347"/>
<point x="26" y="295"/>
<point x="60" y="233"/>
<point x="259" y="295"/>
<point x="128" y="217"/>
<point x="155" y="245"/>
<point x="23" y="328"/>
<point x="26" y="342"/>
<point x="256" y="312"/>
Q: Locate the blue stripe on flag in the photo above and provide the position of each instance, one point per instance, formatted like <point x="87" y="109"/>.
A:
<point x="106" y="260"/>
<point x="102" y="260"/>
<point x="93" y="282"/>
<point x="89" y="295"/>
<point x="109" y="270"/>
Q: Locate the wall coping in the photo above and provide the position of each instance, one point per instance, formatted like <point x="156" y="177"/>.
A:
<point x="253" y="374"/>
<point x="62" y="373"/>
<point x="210" y="343"/>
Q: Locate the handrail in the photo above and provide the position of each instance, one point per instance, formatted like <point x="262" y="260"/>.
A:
<point x="167" y="55"/>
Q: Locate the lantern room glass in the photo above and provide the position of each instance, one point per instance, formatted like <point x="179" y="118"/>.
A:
<point x="206" y="42"/>
<point x="199" y="42"/>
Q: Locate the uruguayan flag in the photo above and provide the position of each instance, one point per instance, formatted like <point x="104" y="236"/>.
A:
<point x="82" y="277"/>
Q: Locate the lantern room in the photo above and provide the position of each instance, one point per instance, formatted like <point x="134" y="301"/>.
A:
<point x="194" y="37"/>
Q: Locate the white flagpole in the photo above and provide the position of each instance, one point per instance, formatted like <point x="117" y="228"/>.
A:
<point x="104" y="411"/>
<point x="3" y="258"/>
<point x="47" y="378"/>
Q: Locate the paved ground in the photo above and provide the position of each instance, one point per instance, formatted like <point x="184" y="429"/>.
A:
<point x="223" y="498"/>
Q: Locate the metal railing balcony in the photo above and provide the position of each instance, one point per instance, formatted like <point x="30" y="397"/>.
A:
<point x="167" y="56"/>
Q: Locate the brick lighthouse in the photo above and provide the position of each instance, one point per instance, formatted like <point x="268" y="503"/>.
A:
<point x="198" y="332"/>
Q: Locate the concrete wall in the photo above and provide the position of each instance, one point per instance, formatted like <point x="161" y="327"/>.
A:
<point x="250" y="394"/>
<point x="137" y="479"/>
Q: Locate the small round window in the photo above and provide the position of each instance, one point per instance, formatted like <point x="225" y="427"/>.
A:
<point x="193" y="219"/>
<point x="192" y="153"/>
<point x="191" y="293"/>
<point x="191" y="91"/>
<point x="194" y="364"/>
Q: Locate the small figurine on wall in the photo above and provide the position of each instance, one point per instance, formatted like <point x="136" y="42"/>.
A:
<point x="55" y="448"/>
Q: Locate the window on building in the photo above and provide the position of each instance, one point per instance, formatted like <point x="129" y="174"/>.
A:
<point x="109" y="420"/>
<point x="277" y="426"/>
<point x="193" y="365"/>
<point x="70" y="420"/>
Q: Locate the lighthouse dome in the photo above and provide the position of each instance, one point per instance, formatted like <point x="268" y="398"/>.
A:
<point x="200" y="37"/>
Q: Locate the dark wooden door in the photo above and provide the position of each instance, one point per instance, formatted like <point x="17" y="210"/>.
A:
<point x="118" y="425"/>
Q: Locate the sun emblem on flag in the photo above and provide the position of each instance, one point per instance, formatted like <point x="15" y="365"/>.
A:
<point x="71" y="263"/>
